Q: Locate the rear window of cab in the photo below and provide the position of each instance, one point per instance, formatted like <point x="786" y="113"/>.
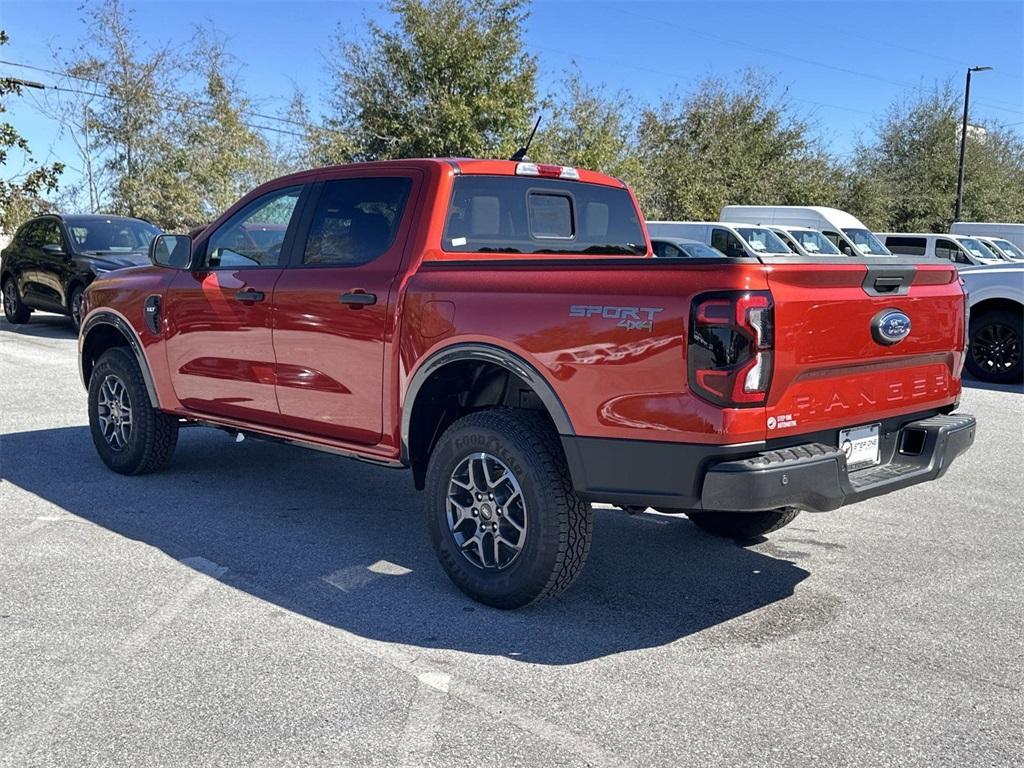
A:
<point x="509" y="214"/>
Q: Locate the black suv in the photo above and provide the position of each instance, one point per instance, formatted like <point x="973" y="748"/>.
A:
<point x="52" y="259"/>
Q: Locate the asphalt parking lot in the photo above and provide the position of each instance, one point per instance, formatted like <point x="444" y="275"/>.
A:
<point x="263" y="605"/>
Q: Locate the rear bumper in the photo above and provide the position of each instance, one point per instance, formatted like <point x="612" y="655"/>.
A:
<point x="810" y="475"/>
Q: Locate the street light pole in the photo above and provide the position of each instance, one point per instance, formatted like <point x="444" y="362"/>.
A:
<point x="963" y="143"/>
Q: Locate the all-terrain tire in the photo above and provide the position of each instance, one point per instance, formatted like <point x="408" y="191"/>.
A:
<point x="994" y="347"/>
<point x="743" y="526"/>
<point x="14" y="309"/>
<point x="558" y="523"/>
<point x="152" y="436"/>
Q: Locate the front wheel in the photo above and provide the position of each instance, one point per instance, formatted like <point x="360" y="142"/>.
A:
<point x="14" y="309"/>
<point x="994" y="351"/>
<point x="75" y="306"/>
<point x="501" y="512"/>
<point x="131" y="437"/>
<point x="743" y="526"/>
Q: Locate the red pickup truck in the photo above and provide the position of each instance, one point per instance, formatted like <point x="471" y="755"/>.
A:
<point x="502" y="329"/>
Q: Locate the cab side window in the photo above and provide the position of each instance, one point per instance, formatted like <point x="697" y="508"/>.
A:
<point x="947" y="249"/>
<point x="254" y="236"/>
<point x="356" y="220"/>
<point x="727" y="243"/>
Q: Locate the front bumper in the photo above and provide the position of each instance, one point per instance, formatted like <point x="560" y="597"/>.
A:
<point x="811" y="475"/>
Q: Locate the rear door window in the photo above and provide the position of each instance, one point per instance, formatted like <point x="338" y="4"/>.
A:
<point x="356" y="220"/>
<point x="908" y="246"/>
<point x="529" y="215"/>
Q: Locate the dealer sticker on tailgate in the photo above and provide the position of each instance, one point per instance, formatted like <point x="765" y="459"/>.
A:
<point x="860" y="444"/>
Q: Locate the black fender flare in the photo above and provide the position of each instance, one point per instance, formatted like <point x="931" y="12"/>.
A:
<point x="121" y="325"/>
<point x="486" y="353"/>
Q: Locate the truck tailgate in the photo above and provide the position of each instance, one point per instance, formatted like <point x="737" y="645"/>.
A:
<point x="833" y="370"/>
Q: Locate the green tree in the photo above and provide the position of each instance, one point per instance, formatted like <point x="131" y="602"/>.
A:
<point x="220" y="156"/>
<point x="729" y="143"/>
<point x="136" y="122"/>
<point x="21" y="192"/>
<point x="911" y="163"/>
<point x="588" y="129"/>
<point x="451" y="77"/>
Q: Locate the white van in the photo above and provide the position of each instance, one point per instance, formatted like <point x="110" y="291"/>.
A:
<point x="735" y="240"/>
<point x="957" y="248"/>
<point x="845" y="231"/>
<point x="1005" y="231"/>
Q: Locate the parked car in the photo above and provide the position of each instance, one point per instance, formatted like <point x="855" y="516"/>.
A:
<point x="1004" y="248"/>
<point x="680" y="247"/>
<point x="53" y="259"/>
<point x="805" y="241"/>
<point x="996" y="310"/>
<point x="500" y="329"/>
<point x="1003" y="230"/>
<point x="734" y="240"/>
<point x="845" y="231"/>
<point x="956" y="248"/>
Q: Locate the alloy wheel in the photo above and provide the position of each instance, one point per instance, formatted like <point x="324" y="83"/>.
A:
<point x="115" y="412"/>
<point x="486" y="512"/>
<point x="10" y="299"/>
<point x="76" y="309"/>
<point x="996" y="348"/>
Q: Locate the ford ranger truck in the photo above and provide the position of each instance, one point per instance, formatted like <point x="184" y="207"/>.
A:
<point x="501" y="329"/>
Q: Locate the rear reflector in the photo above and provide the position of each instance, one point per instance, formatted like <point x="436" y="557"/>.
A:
<point x="546" y="170"/>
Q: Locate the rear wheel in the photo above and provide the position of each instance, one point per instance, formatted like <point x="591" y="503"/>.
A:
<point x="14" y="310"/>
<point x="131" y="437"/>
<point x="743" y="526"/>
<point x="501" y="512"/>
<point x="994" y="349"/>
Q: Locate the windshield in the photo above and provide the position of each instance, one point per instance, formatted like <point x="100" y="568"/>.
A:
<point x="866" y="242"/>
<point x="515" y="214"/>
<point x="977" y="248"/>
<point x="762" y="240"/>
<point x="700" y="251"/>
<point x="110" y="235"/>
<point x="813" y="242"/>
<point x="1009" y="249"/>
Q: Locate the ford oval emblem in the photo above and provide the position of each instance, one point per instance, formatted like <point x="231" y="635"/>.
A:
<point x="890" y="326"/>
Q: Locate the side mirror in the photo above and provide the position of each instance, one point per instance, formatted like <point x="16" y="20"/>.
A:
<point x="172" y="251"/>
<point x="53" y="249"/>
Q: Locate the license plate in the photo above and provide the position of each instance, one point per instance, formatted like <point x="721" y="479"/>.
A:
<point x="860" y="444"/>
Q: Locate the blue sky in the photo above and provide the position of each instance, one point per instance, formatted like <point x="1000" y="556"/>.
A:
<point x="841" y="63"/>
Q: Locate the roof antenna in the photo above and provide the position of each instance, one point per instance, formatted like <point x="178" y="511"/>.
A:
<point x="520" y="154"/>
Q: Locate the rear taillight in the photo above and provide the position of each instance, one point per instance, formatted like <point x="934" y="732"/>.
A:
<point x="967" y="326"/>
<point x="729" y="356"/>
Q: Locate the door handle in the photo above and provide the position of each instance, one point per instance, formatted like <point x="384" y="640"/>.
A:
<point x="249" y="295"/>
<point x="358" y="298"/>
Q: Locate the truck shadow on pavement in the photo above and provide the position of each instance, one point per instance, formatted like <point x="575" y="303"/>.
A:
<point x="345" y="544"/>
<point x="47" y="326"/>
